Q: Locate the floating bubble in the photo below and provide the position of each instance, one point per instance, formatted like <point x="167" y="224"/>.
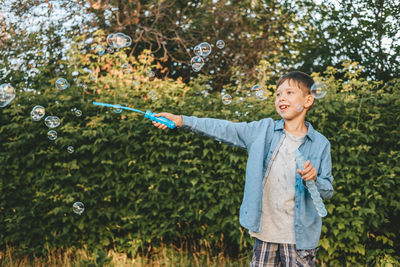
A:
<point x="197" y="62"/>
<point x="70" y="149"/>
<point x="151" y="74"/>
<point x="78" y="208"/>
<point x="52" y="121"/>
<point x="61" y="84"/>
<point x="318" y="90"/>
<point x="220" y="44"/>
<point x="52" y="135"/>
<point x="153" y="95"/>
<point x="37" y="113"/>
<point x="92" y="77"/>
<point x="126" y="68"/>
<point x="117" y="109"/>
<point x="255" y="89"/>
<point x="100" y="50"/>
<point x="197" y="50"/>
<point x="196" y="70"/>
<point x="260" y="94"/>
<point x="226" y="99"/>
<point x="223" y="91"/>
<point x="7" y="94"/>
<point x="78" y="113"/>
<point x="119" y="40"/>
<point x="205" y="49"/>
<point x="75" y="73"/>
<point x="110" y="50"/>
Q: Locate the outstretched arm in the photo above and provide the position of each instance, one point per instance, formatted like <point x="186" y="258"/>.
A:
<point x="241" y="134"/>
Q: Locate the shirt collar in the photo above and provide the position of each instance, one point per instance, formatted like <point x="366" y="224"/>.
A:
<point x="279" y="125"/>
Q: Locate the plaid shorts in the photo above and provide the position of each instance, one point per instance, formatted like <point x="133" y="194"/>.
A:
<point x="273" y="254"/>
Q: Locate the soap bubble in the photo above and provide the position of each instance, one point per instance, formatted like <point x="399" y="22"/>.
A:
<point x="119" y="40"/>
<point x="126" y="68"/>
<point x="205" y="49"/>
<point x="220" y="44"/>
<point x="260" y="94"/>
<point x="37" y="113"/>
<point x="226" y="99"/>
<point x="7" y="94"/>
<point x="117" y="109"/>
<point x="153" y="95"/>
<point x="100" y="50"/>
<point x="78" y="207"/>
<point x="110" y="50"/>
<point x="318" y="90"/>
<point x="223" y="91"/>
<point x="151" y="74"/>
<point x="197" y="50"/>
<point x="197" y="62"/>
<point x="70" y="149"/>
<point x="78" y="113"/>
<point x="195" y="70"/>
<point x="52" y="135"/>
<point x="61" y="84"/>
<point x="52" y="121"/>
<point x="255" y="89"/>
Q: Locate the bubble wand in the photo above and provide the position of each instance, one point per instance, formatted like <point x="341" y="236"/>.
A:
<point x="312" y="187"/>
<point x="148" y="114"/>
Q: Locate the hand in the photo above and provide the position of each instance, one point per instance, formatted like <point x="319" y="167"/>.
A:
<point x="309" y="172"/>
<point x="175" y="118"/>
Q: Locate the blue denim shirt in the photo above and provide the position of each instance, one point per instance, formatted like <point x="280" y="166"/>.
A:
<point x="260" y="138"/>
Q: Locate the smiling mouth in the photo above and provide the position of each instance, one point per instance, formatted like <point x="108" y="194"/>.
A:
<point x="283" y="107"/>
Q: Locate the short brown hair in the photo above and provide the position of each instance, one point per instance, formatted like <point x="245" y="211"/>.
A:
<point x="304" y="81"/>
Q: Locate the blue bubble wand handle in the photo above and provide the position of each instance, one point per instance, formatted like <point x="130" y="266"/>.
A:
<point x="148" y="114"/>
<point x="312" y="188"/>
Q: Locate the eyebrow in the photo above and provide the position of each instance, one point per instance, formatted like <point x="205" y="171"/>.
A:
<point x="287" y="88"/>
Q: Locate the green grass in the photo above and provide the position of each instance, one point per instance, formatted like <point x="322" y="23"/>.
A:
<point x="163" y="256"/>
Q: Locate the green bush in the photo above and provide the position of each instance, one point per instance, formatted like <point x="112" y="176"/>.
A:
<point x="142" y="186"/>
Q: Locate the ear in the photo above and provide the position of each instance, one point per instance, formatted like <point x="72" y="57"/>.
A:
<point x="309" y="101"/>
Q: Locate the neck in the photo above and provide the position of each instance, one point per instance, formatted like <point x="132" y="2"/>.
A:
<point x="296" y="126"/>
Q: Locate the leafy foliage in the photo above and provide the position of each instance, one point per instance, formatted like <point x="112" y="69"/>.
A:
<point x="142" y="186"/>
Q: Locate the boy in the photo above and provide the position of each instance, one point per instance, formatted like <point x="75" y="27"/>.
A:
<point x="277" y="209"/>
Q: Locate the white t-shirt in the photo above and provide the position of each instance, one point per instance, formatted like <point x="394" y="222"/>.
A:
<point x="277" y="218"/>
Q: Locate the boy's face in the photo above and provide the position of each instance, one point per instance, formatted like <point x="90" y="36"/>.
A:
<point x="290" y="101"/>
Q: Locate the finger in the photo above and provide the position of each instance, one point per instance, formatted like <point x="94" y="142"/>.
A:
<point x="300" y="172"/>
<point x="308" y="169"/>
<point x="306" y="164"/>
<point x="309" y="176"/>
<point x="164" y="127"/>
<point x="163" y="114"/>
